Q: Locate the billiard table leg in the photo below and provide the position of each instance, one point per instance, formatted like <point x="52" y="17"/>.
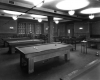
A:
<point x="11" y="50"/>
<point x="4" y="44"/>
<point x="23" y="61"/>
<point x="30" y="65"/>
<point x="27" y="63"/>
<point x="20" y="60"/>
<point x="67" y="55"/>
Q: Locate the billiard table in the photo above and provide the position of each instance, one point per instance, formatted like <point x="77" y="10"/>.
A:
<point x="13" y="44"/>
<point x="70" y="41"/>
<point x="13" y="39"/>
<point x="94" y="42"/>
<point x="31" y="54"/>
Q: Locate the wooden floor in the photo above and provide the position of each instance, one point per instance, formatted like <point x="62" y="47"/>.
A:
<point x="52" y="69"/>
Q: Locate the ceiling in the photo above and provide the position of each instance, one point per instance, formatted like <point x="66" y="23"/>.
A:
<point x="47" y="9"/>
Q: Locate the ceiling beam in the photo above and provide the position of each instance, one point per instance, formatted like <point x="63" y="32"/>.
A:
<point x="36" y="11"/>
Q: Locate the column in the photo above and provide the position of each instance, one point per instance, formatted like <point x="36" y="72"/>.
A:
<point x="50" y="30"/>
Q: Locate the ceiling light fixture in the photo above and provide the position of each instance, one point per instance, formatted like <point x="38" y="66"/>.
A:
<point x="56" y="21"/>
<point x="71" y="12"/>
<point x="38" y="16"/>
<point x="55" y="18"/>
<point x="91" y="11"/>
<point x="14" y="17"/>
<point x="91" y="16"/>
<point x="13" y="12"/>
<point x="39" y="20"/>
<point x="81" y="28"/>
<point x="69" y="31"/>
<point x="11" y="28"/>
<point x="35" y="2"/>
<point x="72" y="4"/>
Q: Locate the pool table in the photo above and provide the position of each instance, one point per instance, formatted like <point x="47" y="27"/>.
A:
<point x="13" y="44"/>
<point x="31" y="54"/>
<point x="94" y="42"/>
<point x="13" y="39"/>
<point x="70" y="41"/>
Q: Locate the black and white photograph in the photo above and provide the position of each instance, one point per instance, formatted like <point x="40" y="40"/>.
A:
<point x="49" y="39"/>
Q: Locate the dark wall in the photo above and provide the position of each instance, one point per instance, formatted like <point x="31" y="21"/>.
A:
<point x="46" y="28"/>
<point x="5" y="31"/>
<point x="82" y="32"/>
<point x="61" y="29"/>
<point x="5" y="25"/>
<point x="70" y="27"/>
<point x="95" y="28"/>
<point x="55" y="29"/>
<point x="74" y="29"/>
<point x="85" y="26"/>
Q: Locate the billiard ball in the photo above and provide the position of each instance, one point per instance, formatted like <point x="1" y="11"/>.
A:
<point x="97" y="54"/>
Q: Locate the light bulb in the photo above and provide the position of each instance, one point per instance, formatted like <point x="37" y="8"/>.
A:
<point x="39" y="20"/>
<point x="14" y="17"/>
<point x="81" y="28"/>
<point x="57" y="22"/>
<point x="71" y="12"/>
<point x="91" y="16"/>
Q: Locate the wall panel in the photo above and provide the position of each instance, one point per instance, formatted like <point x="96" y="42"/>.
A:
<point x="5" y="25"/>
<point x="95" y="28"/>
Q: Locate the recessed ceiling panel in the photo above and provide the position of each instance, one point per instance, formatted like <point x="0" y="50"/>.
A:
<point x="38" y="16"/>
<point x="55" y="18"/>
<point x="36" y="2"/>
<point x="91" y="11"/>
<point x="12" y="12"/>
<point x="72" y="4"/>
